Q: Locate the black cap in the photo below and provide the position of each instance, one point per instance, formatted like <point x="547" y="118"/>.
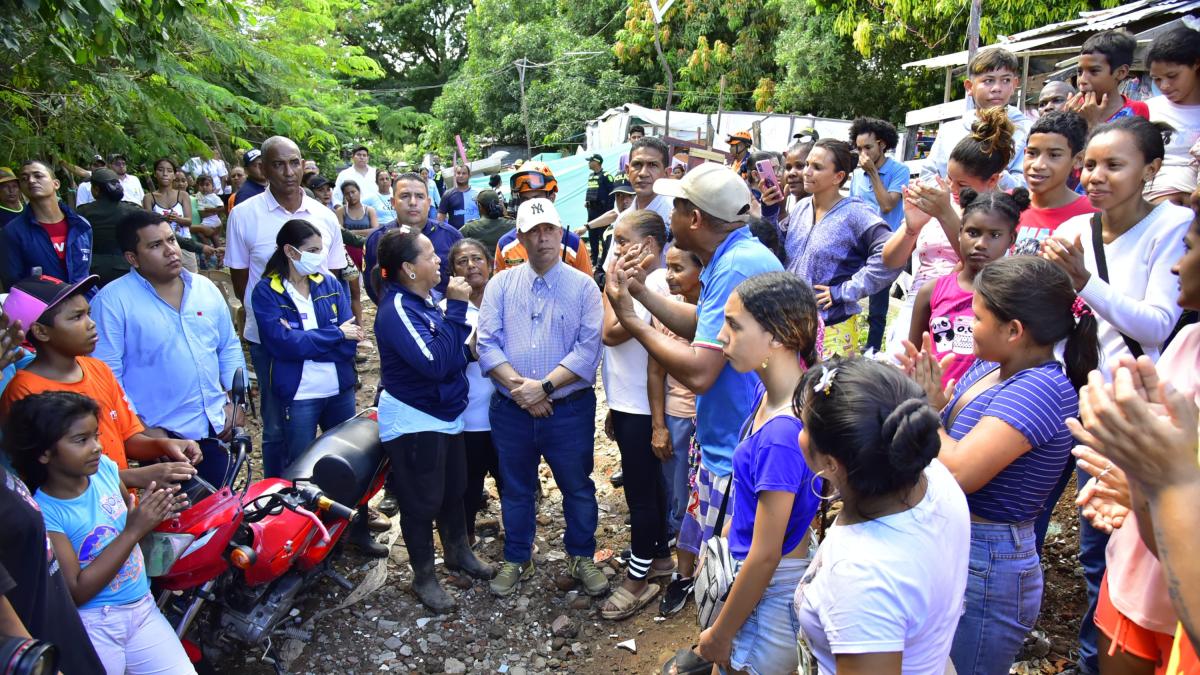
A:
<point x="115" y="156"/>
<point x="622" y="186"/>
<point x="596" y="158"/>
<point x="318" y="182"/>
<point x="251" y="155"/>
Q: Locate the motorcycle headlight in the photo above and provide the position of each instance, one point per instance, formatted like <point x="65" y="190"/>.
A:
<point x="161" y="550"/>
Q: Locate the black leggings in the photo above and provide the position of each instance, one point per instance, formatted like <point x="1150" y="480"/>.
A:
<point x="598" y="244"/>
<point x="429" y="474"/>
<point x="645" y="492"/>
<point x="481" y="460"/>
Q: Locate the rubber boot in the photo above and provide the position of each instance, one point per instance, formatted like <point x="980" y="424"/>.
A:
<point x="359" y="535"/>
<point x="456" y="549"/>
<point x="425" y="586"/>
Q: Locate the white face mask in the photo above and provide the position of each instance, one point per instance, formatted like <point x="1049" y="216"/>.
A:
<point x="309" y="262"/>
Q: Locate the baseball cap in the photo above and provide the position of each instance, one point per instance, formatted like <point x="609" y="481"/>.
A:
<point x="809" y="133"/>
<point x="714" y="189"/>
<point x="104" y="175"/>
<point x="115" y="156"/>
<point x="596" y="158"/>
<point x="318" y="182"/>
<point x="98" y="159"/>
<point x="622" y="186"/>
<point x="6" y="174"/>
<point x="535" y="212"/>
<point x="251" y="155"/>
<point x="30" y="298"/>
<point x="489" y="198"/>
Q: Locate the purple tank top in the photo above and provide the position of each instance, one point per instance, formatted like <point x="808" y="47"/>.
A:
<point x="951" y="325"/>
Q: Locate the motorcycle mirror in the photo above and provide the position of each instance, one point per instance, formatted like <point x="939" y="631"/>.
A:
<point x="237" y="392"/>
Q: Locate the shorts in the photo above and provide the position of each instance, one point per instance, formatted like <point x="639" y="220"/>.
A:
<point x="703" y="507"/>
<point x="766" y="643"/>
<point x="842" y="339"/>
<point x="1129" y="637"/>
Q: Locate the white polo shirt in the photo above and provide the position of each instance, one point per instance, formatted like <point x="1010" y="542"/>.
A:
<point x="250" y="240"/>
<point x="366" y="183"/>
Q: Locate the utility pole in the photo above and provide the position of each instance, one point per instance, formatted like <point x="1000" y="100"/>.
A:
<point x="521" y="65"/>
<point x="973" y="31"/>
<point x="720" y="109"/>
<point x="670" y="79"/>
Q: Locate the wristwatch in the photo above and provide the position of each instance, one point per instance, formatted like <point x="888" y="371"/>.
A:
<point x="548" y="387"/>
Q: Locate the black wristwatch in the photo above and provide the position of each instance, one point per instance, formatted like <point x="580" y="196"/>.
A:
<point x="548" y="387"/>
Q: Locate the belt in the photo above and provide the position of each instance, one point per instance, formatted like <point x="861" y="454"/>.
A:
<point x="577" y="394"/>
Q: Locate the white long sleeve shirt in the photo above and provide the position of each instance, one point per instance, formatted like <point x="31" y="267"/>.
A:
<point x="1139" y="298"/>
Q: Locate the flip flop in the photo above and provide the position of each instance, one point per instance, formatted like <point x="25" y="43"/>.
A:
<point x="621" y="596"/>
<point x="687" y="662"/>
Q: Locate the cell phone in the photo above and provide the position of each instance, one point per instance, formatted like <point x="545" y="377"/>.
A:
<point x="766" y="172"/>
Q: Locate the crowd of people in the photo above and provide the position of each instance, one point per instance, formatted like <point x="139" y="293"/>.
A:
<point x="836" y="487"/>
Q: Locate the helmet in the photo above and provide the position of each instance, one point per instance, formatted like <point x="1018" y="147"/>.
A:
<point x="740" y="137"/>
<point x="533" y="176"/>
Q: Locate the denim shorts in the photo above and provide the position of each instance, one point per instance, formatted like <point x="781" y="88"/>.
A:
<point x="766" y="643"/>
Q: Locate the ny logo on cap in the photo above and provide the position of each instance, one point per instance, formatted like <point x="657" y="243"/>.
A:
<point x="535" y="208"/>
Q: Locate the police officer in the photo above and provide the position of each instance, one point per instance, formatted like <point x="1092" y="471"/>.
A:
<point x="598" y="200"/>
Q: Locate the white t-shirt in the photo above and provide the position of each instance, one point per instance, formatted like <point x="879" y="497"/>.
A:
<point x="83" y="194"/>
<point x="210" y="201"/>
<point x="319" y="379"/>
<point x="894" y="584"/>
<point x="625" y="366"/>
<point x="480" y="386"/>
<point x="366" y="183"/>
<point x="132" y="188"/>
<point x="250" y="240"/>
<point x="1140" y="301"/>
<point x="213" y="168"/>
<point x="1178" y="172"/>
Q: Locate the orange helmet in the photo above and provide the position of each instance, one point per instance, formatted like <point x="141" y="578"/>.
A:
<point x="533" y="176"/>
<point x="740" y="137"/>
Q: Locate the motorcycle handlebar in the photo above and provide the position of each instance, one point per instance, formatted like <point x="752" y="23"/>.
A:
<point x="334" y="508"/>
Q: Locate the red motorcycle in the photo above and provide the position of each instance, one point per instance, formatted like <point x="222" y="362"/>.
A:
<point x="246" y="556"/>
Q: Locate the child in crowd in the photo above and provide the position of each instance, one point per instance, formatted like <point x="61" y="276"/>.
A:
<point x="1174" y="62"/>
<point x="1006" y="442"/>
<point x="209" y="230"/>
<point x="1134" y="244"/>
<point x="1104" y="62"/>
<point x="673" y="424"/>
<point x="639" y="234"/>
<point x="885" y="589"/>
<point x="1054" y="153"/>
<point x="794" y="161"/>
<point x="943" y="308"/>
<point x="54" y="440"/>
<point x="931" y="220"/>
<point x="770" y="329"/>
<point x="992" y="78"/>
<point x="768" y="198"/>
<point x="61" y="328"/>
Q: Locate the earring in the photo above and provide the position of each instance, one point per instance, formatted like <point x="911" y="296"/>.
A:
<point x="812" y="485"/>
<point x="765" y="362"/>
<point x="412" y="275"/>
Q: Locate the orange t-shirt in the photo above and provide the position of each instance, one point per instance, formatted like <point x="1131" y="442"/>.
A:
<point x="117" y="419"/>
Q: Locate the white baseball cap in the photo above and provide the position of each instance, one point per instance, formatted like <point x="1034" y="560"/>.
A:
<point x="534" y="212"/>
<point x="714" y="189"/>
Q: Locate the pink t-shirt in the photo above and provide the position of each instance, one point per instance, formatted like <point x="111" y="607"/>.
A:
<point x="951" y="325"/>
<point x="1136" y="582"/>
<point x="936" y="256"/>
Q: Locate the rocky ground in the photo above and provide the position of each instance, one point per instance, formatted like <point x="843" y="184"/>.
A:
<point x="549" y="626"/>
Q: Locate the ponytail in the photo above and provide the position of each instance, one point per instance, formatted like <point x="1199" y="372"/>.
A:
<point x="1082" y="352"/>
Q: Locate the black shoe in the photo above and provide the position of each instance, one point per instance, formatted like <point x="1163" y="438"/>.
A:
<point x="617" y="478"/>
<point x="675" y="598"/>
<point x="359" y="536"/>
<point x="388" y="505"/>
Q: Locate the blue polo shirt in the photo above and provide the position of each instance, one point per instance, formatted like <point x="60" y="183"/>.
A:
<point x="721" y="410"/>
<point x="894" y="176"/>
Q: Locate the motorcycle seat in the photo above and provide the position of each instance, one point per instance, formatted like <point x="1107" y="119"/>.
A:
<point x="343" y="462"/>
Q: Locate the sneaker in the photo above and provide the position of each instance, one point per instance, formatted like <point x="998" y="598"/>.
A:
<point x="510" y="574"/>
<point x="675" y="598"/>
<point x="584" y="569"/>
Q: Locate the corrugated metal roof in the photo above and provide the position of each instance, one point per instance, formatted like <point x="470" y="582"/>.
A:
<point x="1087" y="22"/>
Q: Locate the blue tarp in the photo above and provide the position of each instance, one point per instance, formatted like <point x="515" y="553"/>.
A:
<point x="572" y="176"/>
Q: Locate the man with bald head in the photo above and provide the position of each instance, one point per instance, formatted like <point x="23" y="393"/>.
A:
<point x="1054" y="97"/>
<point x="253" y="225"/>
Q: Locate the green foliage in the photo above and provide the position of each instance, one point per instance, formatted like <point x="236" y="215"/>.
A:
<point x="177" y="78"/>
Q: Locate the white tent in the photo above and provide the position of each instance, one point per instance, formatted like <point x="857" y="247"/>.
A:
<point x="612" y="128"/>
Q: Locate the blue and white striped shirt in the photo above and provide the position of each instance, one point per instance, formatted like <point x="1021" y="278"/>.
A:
<point x="1036" y="402"/>
<point x="536" y="323"/>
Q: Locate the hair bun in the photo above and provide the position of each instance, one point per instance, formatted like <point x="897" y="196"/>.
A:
<point x="1021" y="197"/>
<point x="966" y="196"/>
<point x="910" y="436"/>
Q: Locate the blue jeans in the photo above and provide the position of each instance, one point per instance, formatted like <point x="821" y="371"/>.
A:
<point x="1004" y="596"/>
<point x="877" y="309"/>
<point x="1092" y="543"/>
<point x="301" y="418"/>
<point x="675" y="470"/>
<point x="270" y="410"/>
<point x="566" y="440"/>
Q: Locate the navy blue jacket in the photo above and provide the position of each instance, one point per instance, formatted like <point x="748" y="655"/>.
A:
<point x="440" y="234"/>
<point x="28" y="246"/>
<point x="423" y="352"/>
<point x="288" y="349"/>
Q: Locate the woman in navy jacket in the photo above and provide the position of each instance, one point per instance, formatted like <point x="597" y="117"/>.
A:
<point x="422" y="362"/>
<point x="308" y="329"/>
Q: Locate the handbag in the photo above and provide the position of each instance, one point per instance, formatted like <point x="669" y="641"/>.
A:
<point x="715" y="570"/>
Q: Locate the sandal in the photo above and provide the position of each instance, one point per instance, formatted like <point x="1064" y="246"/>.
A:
<point x="659" y="574"/>
<point x="626" y="603"/>
<point x="687" y="662"/>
